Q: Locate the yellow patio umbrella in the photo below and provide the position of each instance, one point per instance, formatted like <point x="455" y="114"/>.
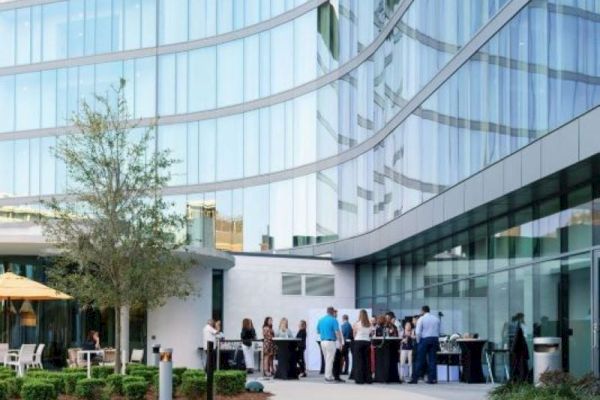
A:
<point x="15" y="287"/>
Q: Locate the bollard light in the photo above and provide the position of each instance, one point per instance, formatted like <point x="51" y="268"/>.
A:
<point x="165" y="375"/>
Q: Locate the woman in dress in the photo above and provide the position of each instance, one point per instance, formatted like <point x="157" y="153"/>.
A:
<point x="248" y="335"/>
<point x="362" y="330"/>
<point x="268" y="347"/>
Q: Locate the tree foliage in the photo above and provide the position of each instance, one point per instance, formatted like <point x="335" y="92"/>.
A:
<point x="116" y="237"/>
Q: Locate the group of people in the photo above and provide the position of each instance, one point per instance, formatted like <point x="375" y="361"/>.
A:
<point x="419" y="339"/>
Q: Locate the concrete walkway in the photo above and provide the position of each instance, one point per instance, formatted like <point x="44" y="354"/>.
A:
<point x="314" y="388"/>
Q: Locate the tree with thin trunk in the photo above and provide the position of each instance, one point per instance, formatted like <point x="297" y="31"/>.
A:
<point x="117" y="239"/>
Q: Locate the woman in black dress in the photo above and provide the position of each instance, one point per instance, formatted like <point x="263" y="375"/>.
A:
<point x="301" y="349"/>
<point x="361" y="349"/>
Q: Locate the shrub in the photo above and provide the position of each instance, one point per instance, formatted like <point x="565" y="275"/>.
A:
<point x="38" y="373"/>
<point x="114" y="384"/>
<point x="193" y="386"/>
<point x="14" y="386"/>
<point x="70" y="380"/>
<point x="38" y="390"/>
<point x="129" y="379"/>
<point x="135" y="390"/>
<point x="55" y="380"/>
<point x="5" y="369"/>
<point x="3" y="391"/>
<point x="89" y="389"/>
<point x="176" y="382"/>
<point x="147" y="374"/>
<point x="193" y="372"/>
<point x="588" y="385"/>
<point x="102" y="371"/>
<point x="133" y="366"/>
<point x="230" y="382"/>
<point x="556" y="378"/>
<point x="179" y="371"/>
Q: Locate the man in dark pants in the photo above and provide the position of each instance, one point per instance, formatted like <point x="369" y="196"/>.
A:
<point x="428" y="333"/>
<point x="347" y="334"/>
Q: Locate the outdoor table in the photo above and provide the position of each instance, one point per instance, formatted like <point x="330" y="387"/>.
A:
<point x="449" y="355"/>
<point x="287" y="350"/>
<point x="89" y="358"/>
<point x="471" y="351"/>
<point x="386" y="359"/>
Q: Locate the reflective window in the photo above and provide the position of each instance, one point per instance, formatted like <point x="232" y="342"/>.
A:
<point x="55" y="31"/>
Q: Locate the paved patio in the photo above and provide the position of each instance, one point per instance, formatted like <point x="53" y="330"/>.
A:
<point x="314" y="388"/>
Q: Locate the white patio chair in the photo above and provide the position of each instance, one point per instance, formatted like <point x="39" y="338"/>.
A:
<point x="137" y="356"/>
<point x="3" y="352"/>
<point x="37" y="357"/>
<point x="23" y="359"/>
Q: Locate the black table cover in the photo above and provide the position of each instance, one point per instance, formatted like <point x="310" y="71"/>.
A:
<point x="471" y="350"/>
<point x="386" y="359"/>
<point x="286" y="358"/>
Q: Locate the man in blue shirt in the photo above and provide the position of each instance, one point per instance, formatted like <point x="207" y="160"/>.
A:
<point x="428" y="334"/>
<point x="347" y="335"/>
<point x="329" y="332"/>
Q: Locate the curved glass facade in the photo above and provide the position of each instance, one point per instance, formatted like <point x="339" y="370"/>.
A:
<point x="527" y="79"/>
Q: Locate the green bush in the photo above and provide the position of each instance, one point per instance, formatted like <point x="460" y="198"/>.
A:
<point x="193" y="386"/>
<point x="55" y="380"/>
<point x="176" y="382"/>
<point x="34" y="389"/>
<point x="38" y="373"/>
<point x="114" y="384"/>
<point x="229" y="383"/>
<point x="102" y="371"/>
<point x="194" y="373"/>
<point x="129" y="379"/>
<point x="133" y="366"/>
<point x="70" y="380"/>
<point x="135" y="390"/>
<point x="527" y="391"/>
<point x="147" y="374"/>
<point x="3" y="391"/>
<point x="179" y="371"/>
<point x="14" y="386"/>
<point x="89" y="389"/>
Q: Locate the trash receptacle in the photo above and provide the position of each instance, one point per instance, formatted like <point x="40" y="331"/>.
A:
<point x="547" y="356"/>
<point x="156" y="355"/>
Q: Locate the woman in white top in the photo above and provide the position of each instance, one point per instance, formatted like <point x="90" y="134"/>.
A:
<point x="361" y="349"/>
<point x="284" y="332"/>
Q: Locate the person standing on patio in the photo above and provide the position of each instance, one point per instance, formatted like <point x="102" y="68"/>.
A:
<point x="268" y="347"/>
<point x="248" y="335"/>
<point x="348" y="337"/>
<point x="329" y="330"/>
<point x="428" y="333"/>
<point x="209" y="335"/>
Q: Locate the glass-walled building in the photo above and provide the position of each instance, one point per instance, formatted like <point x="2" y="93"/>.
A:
<point x="452" y="163"/>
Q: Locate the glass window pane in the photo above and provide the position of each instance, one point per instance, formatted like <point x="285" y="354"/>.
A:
<point x="291" y="284"/>
<point x="133" y="20"/>
<point x="230" y="151"/>
<point x="23" y="35"/>
<point x="76" y="28"/>
<point x="166" y="84"/>
<point x="208" y="146"/>
<point x="230" y="78"/>
<point x="173" y="21"/>
<point x="257" y="235"/>
<point x="7" y="33"/>
<point x="319" y="285"/>
<point x="28" y="101"/>
<point x="103" y="26"/>
<point x="365" y="280"/>
<point x="7" y="111"/>
<point x="282" y="58"/>
<point x="55" y="31"/>
<point x="202" y="79"/>
<point x="148" y="23"/>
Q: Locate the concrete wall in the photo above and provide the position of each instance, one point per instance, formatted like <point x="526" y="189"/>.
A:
<point x="253" y="290"/>
<point x="178" y="324"/>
